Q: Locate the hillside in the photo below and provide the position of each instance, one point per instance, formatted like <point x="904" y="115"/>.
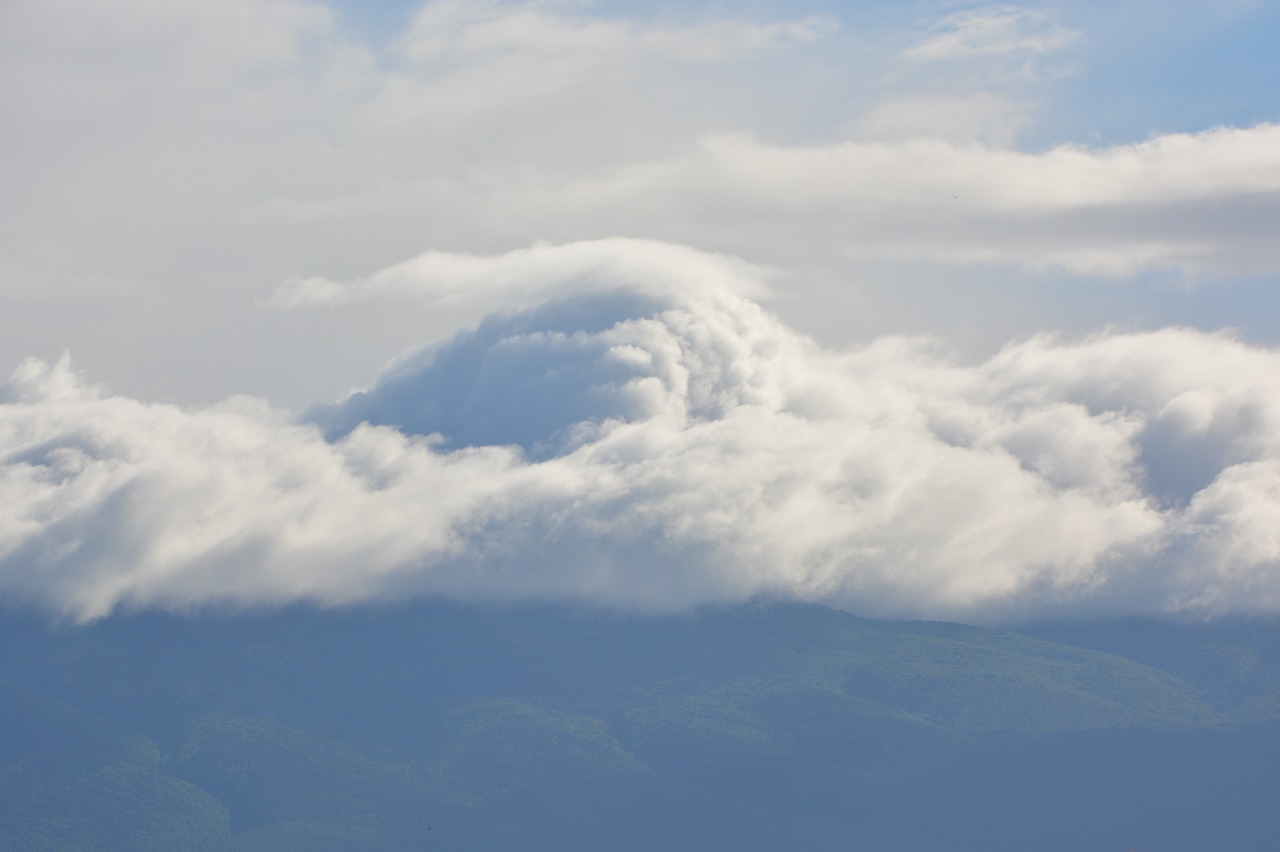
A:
<point x="752" y="727"/>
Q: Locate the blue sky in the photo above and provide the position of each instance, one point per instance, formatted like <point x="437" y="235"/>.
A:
<point x="630" y="276"/>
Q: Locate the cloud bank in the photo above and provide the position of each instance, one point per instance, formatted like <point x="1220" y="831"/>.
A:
<point x="656" y="448"/>
<point x="180" y="158"/>
<point x="1201" y="203"/>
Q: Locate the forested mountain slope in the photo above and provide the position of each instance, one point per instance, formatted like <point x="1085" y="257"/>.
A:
<point x="752" y="727"/>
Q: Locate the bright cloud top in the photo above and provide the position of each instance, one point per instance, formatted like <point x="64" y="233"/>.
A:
<point x="660" y="448"/>
<point x="525" y="276"/>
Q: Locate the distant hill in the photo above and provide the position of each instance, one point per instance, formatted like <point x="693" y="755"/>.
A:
<point x="755" y="727"/>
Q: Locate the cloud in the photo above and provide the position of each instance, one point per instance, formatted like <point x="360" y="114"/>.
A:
<point x="260" y="125"/>
<point x="992" y="31"/>
<point x="524" y="276"/>
<point x="1198" y="203"/>
<point x="485" y="32"/>
<point x="628" y="425"/>
<point x="982" y="117"/>
<point x="179" y="158"/>
<point x="658" y="448"/>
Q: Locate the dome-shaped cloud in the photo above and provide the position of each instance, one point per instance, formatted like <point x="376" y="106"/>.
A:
<point x="658" y="448"/>
<point x="533" y="379"/>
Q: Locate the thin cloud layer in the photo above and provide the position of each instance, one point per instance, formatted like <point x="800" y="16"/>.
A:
<point x="179" y="158"/>
<point x="992" y="31"/>
<point x="1198" y="203"/>
<point x="526" y="276"/>
<point x="659" y="448"/>
<point x="482" y="32"/>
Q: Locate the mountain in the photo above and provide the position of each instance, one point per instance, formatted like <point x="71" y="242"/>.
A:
<point x="762" y="726"/>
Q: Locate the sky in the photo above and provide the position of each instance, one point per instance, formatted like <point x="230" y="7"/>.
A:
<point x="928" y="309"/>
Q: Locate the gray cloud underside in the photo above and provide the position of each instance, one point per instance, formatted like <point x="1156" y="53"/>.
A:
<point x="659" y="447"/>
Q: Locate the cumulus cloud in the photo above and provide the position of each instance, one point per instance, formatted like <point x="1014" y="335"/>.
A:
<point x="658" y="448"/>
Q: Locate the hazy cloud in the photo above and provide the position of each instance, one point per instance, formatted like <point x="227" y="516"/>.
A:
<point x="993" y="31"/>
<point x="1198" y="203"/>
<point x="264" y="129"/>
<point x="657" y="448"/>
<point x="982" y="117"/>
<point x="177" y="159"/>
<point x="484" y="32"/>
<point x="524" y="276"/>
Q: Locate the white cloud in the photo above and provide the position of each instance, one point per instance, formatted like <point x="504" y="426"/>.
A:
<point x="1197" y="203"/>
<point x="177" y="159"/>
<point x="157" y="137"/>
<point x="664" y="448"/>
<point x="525" y="276"/>
<point x="459" y="33"/>
<point x="981" y="117"/>
<point x="993" y="31"/>
<point x="641" y="434"/>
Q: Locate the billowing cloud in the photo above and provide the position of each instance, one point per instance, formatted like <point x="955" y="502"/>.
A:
<point x="627" y="425"/>
<point x="657" y="448"/>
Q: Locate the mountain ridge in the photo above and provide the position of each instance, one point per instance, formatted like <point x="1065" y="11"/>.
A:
<point x="526" y="727"/>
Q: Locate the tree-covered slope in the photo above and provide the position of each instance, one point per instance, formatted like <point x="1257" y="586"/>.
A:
<point x="764" y="727"/>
